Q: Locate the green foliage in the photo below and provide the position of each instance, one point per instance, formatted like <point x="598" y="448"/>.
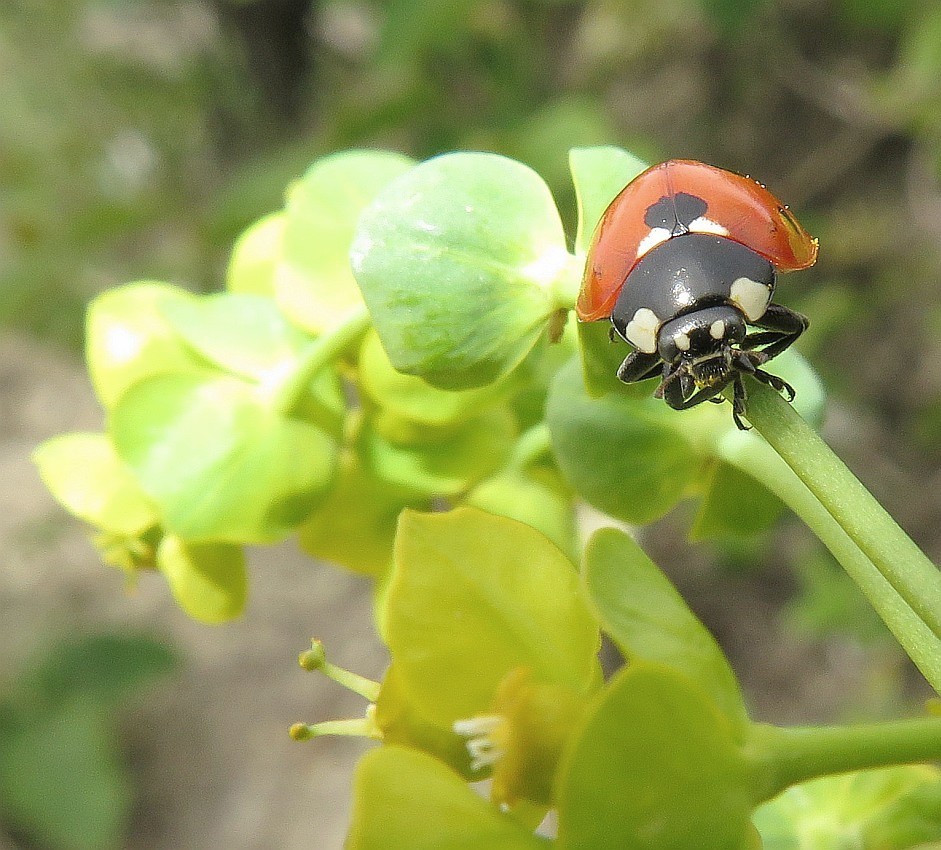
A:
<point x="129" y="337"/>
<point x="85" y="474"/>
<point x="245" y="335"/>
<point x="208" y="580"/>
<point x="405" y="799"/>
<point x="218" y="461"/>
<point x="392" y="376"/>
<point x="459" y="261"/>
<point x="537" y="497"/>
<point x="599" y="173"/>
<point x="443" y="465"/>
<point x="313" y="284"/>
<point x="649" y="621"/>
<point x="633" y="458"/>
<point x="890" y="809"/>
<point x="654" y="766"/>
<point x="411" y="398"/>
<point x="62" y="780"/>
<point x="462" y="568"/>
<point x="627" y="461"/>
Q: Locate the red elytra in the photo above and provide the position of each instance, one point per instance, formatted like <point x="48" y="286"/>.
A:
<point x="750" y="214"/>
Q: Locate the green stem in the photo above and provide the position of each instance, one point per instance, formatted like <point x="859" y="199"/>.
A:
<point x="915" y="578"/>
<point x="366" y="688"/>
<point x="322" y="352"/>
<point x="759" y="460"/>
<point x="358" y="727"/>
<point x="782" y="757"/>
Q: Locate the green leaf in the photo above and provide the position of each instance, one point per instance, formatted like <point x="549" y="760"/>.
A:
<point x="653" y="768"/>
<point x="61" y="782"/>
<point x="447" y="467"/>
<point x="208" y="580"/>
<point x="599" y="173"/>
<point x="105" y="669"/>
<point x="536" y="497"/>
<point x="256" y="255"/>
<point x="355" y="525"/>
<point x="734" y="505"/>
<point x="892" y="809"/>
<point x="461" y="262"/>
<point x="634" y="457"/>
<point x="619" y="453"/>
<point x="601" y="357"/>
<point x="649" y="621"/>
<point x="218" y="461"/>
<point x="244" y="335"/>
<point x="128" y="338"/>
<point x="85" y="474"/>
<point x="475" y="596"/>
<point x="412" y="398"/>
<point x="406" y="800"/>
<point x="402" y="724"/>
<point x="314" y="285"/>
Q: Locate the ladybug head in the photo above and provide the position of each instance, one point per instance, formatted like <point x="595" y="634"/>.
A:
<point x="699" y="344"/>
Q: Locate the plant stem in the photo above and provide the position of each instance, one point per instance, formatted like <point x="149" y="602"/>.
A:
<point x="759" y="460"/>
<point x="366" y="688"/>
<point x="320" y="353"/>
<point x="915" y="578"/>
<point x="783" y="756"/>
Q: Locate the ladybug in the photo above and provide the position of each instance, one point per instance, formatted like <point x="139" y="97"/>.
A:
<point x="683" y="263"/>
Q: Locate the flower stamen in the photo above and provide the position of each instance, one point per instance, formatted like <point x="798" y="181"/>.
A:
<point x="487" y="737"/>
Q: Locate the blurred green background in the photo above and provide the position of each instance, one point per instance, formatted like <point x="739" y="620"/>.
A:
<point x="138" y="137"/>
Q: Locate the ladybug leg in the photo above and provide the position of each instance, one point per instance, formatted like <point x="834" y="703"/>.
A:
<point x="774" y="381"/>
<point x="739" y="403"/>
<point x="781" y="327"/>
<point x="749" y="361"/>
<point x="675" y="392"/>
<point x="638" y="366"/>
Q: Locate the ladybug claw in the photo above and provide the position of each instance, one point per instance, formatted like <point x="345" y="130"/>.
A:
<point x="777" y="383"/>
<point x="739" y="423"/>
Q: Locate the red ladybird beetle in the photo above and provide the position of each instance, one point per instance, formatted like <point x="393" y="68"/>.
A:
<point x="683" y="262"/>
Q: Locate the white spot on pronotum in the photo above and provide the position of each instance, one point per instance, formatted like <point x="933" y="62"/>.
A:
<point x="717" y="329"/>
<point x="656" y="236"/>
<point x="707" y="225"/>
<point x="750" y="297"/>
<point x="682" y="342"/>
<point x="641" y="331"/>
